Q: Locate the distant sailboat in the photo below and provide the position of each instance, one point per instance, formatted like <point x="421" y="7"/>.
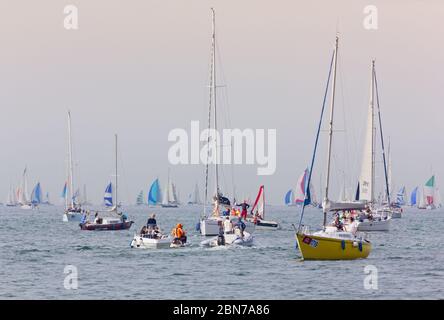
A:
<point x="289" y="198"/>
<point x="170" y="196"/>
<point x="36" y="195"/>
<point x="12" y="198"/>
<point x="154" y="195"/>
<point x="139" y="200"/>
<point x="414" y="197"/>
<point x="46" y="201"/>
<point x="429" y="193"/>
<point x="194" y="197"/>
<point x="400" y="196"/>
<point x="23" y="198"/>
<point x="73" y="211"/>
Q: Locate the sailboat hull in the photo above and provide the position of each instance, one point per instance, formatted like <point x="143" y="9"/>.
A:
<point x="313" y="247"/>
<point x="374" y="225"/>
<point x="106" y="226"/>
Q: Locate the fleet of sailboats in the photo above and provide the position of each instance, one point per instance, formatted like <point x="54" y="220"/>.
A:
<point x="340" y="239"/>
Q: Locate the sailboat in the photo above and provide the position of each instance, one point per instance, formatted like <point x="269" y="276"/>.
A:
<point x="108" y="196"/>
<point x="113" y="220"/>
<point x="170" y="196"/>
<point x="139" y="200"/>
<point x="36" y="195"/>
<point x="22" y="192"/>
<point x="154" y="195"/>
<point x="301" y="187"/>
<point x="258" y="213"/>
<point x="73" y="210"/>
<point x="209" y="224"/>
<point x="289" y="198"/>
<point x="46" y="201"/>
<point x="194" y="197"/>
<point x="330" y="243"/>
<point x="12" y="198"/>
<point x="429" y="194"/>
<point x="378" y="218"/>
<point x="400" y="196"/>
<point x="414" y="197"/>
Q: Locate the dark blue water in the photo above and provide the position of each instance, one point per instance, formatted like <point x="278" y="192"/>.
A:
<point x="36" y="246"/>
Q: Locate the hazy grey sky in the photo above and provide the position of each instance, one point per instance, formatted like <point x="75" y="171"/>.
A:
<point x="140" y="69"/>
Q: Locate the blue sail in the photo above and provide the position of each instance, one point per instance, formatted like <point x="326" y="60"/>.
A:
<point x="154" y="194"/>
<point x="413" y="196"/>
<point x="400" y="197"/>
<point x="108" y="198"/>
<point x="36" y="195"/>
<point x="64" y="191"/>
<point x="288" y="197"/>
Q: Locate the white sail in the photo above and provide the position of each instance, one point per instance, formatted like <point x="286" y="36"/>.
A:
<point x="22" y="195"/>
<point x="366" y="179"/>
<point x="194" y="197"/>
<point x="438" y="201"/>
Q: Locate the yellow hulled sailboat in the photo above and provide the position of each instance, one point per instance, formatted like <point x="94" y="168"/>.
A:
<point x="330" y="243"/>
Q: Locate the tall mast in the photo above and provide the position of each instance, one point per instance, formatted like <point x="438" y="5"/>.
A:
<point x="116" y="170"/>
<point x="213" y="89"/>
<point x="70" y="163"/>
<point x="372" y="106"/>
<point x="330" y="134"/>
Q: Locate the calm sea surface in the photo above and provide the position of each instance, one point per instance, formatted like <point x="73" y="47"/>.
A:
<point x="36" y="246"/>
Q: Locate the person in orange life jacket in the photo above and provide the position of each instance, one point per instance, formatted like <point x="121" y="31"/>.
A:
<point x="179" y="234"/>
<point x="244" y="205"/>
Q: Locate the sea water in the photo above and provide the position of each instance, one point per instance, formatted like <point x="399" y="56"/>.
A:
<point x="38" y="251"/>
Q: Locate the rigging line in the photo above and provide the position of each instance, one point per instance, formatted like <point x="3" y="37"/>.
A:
<point x="317" y="137"/>
<point x="380" y="129"/>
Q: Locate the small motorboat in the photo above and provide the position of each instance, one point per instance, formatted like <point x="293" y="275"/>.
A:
<point x="228" y="239"/>
<point x="144" y="241"/>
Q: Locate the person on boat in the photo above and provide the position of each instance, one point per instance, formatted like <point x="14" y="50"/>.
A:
<point x="151" y="223"/>
<point x="338" y="224"/>
<point x="228" y="226"/>
<point x="244" y="205"/>
<point x="156" y="233"/>
<point x="227" y="211"/>
<point x="144" y="231"/>
<point x="241" y="225"/>
<point x="179" y="234"/>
